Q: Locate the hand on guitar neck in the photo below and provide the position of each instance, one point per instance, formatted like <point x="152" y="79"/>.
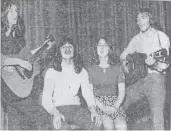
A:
<point x="158" y="61"/>
<point x="28" y="72"/>
<point x="48" y="42"/>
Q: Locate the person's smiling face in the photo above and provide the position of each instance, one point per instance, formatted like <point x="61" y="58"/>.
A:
<point x="143" y="21"/>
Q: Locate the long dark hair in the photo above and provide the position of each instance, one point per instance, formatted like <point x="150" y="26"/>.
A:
<point x="112" y="59"/>
<point x="5" y="5"/>
<point x="78" y="64"/>
<point x="17" y="42"/>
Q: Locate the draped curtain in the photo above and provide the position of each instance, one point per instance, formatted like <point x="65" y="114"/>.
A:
<point x="88" y="20"/>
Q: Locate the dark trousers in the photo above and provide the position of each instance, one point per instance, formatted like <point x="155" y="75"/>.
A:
<point x="77" y="115"/>
<point x="24" y="114"/>
<point x="152" y="87"/>
<point x="23" y="117"/>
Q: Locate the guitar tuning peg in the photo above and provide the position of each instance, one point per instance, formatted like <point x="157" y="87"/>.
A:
<point x="52" y="38"/>
<point x="48" y="36"/>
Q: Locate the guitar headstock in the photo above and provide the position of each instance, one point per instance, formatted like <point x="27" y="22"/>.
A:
<point x="160" y="54"/>
<point x="50" y="38"/>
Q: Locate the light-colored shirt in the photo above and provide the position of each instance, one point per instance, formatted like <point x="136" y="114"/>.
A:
<point x="147" y="43"/>
<point x="61" y="88"/>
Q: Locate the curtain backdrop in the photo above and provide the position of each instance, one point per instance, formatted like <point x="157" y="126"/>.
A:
<point x="87" y="20"/>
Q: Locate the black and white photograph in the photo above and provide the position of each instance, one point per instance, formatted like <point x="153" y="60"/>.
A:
<point x="85" y="65"/>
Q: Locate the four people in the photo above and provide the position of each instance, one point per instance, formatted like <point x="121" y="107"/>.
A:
<point x="102" y="84"/>
<point x="148" y="41"/>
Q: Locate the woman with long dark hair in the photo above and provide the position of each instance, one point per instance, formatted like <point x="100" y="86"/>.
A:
<point x="107" y="79"/>
<point x="14" y="55"/>
<point x="12" y="29"/>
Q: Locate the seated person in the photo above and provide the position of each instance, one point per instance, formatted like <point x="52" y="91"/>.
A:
<point x="108" y="82"/>
<point x="61" y="84"/>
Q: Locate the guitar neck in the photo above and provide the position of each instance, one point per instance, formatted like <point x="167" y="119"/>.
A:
<point x="38" y="53"/>
<point x="159" y="54"/>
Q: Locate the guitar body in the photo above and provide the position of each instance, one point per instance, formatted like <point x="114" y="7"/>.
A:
<point x="137" y="68"/>
<point x="20" y="80"/>
<point x="19" y="86"/>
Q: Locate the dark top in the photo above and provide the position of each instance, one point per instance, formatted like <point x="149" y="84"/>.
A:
<point x="13" y="47"/>
<point x="14" y="43"/>
<point x="106" y="83"/>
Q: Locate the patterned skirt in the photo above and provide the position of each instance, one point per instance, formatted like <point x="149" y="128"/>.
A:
<point x="109" y="100"/>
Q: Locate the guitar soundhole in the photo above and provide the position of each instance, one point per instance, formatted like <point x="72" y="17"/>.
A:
<point x="28" y="73"/>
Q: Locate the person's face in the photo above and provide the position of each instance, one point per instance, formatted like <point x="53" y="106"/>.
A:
<point x="12" y="14"/>
<point x="102" y="48"/>
<point x="143" y="21"/>
<point x="67" y="51"/>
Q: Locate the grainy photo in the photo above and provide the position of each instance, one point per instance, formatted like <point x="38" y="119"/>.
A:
<point x="85" y="65"/>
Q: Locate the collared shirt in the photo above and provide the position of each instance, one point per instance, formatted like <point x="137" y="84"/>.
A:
<point x="61" y="88"/>
<point x="147" y="43"/>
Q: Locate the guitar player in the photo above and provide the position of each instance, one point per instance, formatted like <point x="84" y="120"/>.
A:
<point x="148" y="41"/>
<point x="18" y="115"/>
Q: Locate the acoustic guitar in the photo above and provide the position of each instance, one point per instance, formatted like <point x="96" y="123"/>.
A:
<point x="20" y="80"/>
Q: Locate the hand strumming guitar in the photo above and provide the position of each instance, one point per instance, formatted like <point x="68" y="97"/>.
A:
<point x="150" y="60"/>
<point x="16" y="61"/>
<point x="50" y="43"/>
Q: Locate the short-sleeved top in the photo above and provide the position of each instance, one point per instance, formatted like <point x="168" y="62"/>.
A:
<point x="106" y="83"/>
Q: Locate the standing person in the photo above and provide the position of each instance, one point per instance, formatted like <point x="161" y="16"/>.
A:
<point x="14" y="92"/>
<point x="61" y="84"/>
<point x="148" y="41"/>
<point x="108" y="81"/>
